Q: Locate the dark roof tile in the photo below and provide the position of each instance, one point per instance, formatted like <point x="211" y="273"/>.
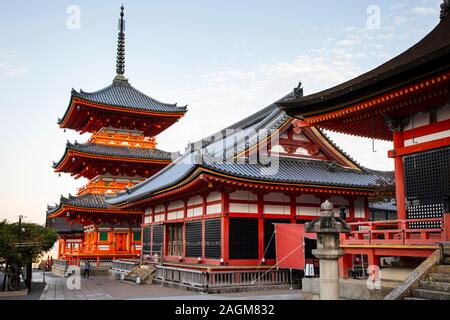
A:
<point x="117" y="151"/>
<point x="121" y="94"/>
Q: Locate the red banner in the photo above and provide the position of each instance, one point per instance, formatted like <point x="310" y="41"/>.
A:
<point x="290" y="248"/>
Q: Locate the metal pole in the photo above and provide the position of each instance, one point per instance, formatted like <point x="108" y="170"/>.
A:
<point x="291" y="279"/>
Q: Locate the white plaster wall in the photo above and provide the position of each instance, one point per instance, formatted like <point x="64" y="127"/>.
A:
<point x="308" y="211"/>
<point x="243" y="195"/>
<point x="214" y="196"/>
<point x="214" y="208"/>
<point x="308" y="198"/>
<point x="243" y="208"/>
<point x="274" y="209"/>
<point x="277" y="196"/>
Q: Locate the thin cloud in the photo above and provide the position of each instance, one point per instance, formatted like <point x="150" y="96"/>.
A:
<point x="424" y="10"/>
<point x="7" y="69"/>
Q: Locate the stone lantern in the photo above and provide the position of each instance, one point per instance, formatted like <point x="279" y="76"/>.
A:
<point x="328" y="227"/>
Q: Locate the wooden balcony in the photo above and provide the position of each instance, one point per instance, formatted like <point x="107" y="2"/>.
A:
<point x="396" y="232"/>
<point x="101" y="250"/>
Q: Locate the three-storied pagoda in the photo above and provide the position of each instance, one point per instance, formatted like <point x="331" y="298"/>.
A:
<point x="120" y="153"/>
<point x="406" y="101"/>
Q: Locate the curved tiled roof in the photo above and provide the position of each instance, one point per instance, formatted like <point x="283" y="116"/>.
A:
<point x="116" y="151"/>
<point x="428" y="56"/>
<point x="87" y="200"/>
<point x="301" y="171"/>
<point x="290" y="170"/>
<point x="64" y="227"/>
<point x="383" y="206"/>
<point x="121" y="94"/>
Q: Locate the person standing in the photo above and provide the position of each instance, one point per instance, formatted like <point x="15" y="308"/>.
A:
<point x="87" y="268"/>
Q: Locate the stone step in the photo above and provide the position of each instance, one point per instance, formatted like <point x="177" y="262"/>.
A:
<point x="439" y="277"/>
<point x="413" y="298"/>
<point x="430" y="294"/>
<point x="436" y="286"/>
<point x="446" y="252"/>
<point x="127" y="280"/>
<point x="442" y="269"/>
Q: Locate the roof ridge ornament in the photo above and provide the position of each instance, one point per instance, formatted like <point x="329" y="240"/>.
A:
<point x="298" y="91"/>
<point x="120" y="62"/>
<point x="445" y="8"/>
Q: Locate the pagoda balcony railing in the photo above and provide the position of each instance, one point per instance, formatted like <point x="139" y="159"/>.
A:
<point x="60" y="263"/>
<point x="95" y="263"/>
<point x="395" y="232"/>
<point x="109" y="248"/>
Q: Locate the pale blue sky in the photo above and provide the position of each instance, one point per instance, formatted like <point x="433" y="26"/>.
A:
<point x="225" y="59"/>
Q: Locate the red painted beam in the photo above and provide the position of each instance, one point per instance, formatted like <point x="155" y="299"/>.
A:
<point x="421" y="147"/>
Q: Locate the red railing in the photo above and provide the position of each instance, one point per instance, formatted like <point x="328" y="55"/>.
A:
<point x="394" y="232"/>
<point x="94" y="249"/>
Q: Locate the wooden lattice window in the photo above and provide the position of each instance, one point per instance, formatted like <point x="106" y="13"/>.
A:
<point x="175" y="239"/>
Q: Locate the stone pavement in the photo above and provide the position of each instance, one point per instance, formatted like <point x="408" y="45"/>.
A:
<point x="105" y="288"/>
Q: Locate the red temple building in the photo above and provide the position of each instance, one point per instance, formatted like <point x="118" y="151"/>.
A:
<point x="406" y="101"/>
<point x="120" y="153"/>
<point x="216" y="207"/>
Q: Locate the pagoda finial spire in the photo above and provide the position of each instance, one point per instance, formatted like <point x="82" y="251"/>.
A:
<point x="120" y="63"/>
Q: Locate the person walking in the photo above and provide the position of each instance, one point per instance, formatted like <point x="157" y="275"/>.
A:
<point x="87" y="268"/>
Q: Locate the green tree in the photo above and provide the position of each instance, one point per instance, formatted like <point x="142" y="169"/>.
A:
<point x="384" y="191"/>
<point x="21" y="244"/>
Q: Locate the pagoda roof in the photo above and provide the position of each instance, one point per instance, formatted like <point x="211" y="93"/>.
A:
<point x="89" y="202"/>
<point x="295" y="171"/>
<point x="429" y="56"/>
<point x="84" y="201"/>
<point x="125" y="153"/>
<point x="122" y="94"/>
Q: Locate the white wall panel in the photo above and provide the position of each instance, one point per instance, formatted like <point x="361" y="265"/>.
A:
<point x="214" y="208"/>
<point x="308" y="211"/>
<point x="308" y="198"/>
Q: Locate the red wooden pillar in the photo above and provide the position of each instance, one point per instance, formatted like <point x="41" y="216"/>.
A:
<point x="446" y="227"/>
<point x="165" y="243"/>
<point x="399" y="177"/>
<point x="293" y="204"/>
<point x="366" y="208"/>
<point x="351" y="209"/>
<point x="225" y="227"/>
<point x="204" y="199"/>
<point x="373" y="259"/>
<point x="345" y="263"/>
<point x="166" y="232"/>
<point x="185" y="202"/>
<point x="260" y="226"/>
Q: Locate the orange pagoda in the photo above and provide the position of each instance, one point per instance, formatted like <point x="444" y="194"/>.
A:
<point x="120" y="153"/>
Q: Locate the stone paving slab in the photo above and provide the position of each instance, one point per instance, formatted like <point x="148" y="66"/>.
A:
<point x="105" y="288"/>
